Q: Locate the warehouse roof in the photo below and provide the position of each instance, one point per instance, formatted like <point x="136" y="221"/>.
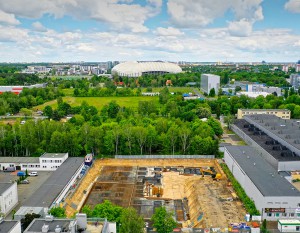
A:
<point x="37" y="224"/>
<point x="4" y="187"/>
<point x="287" y="130"/>
<point x="261" y="173"/>
<point x="47" y="193"/>
<point x="263" y="110"/>
<point x="53" y="155"/>
<point x="261" y="140"/>
<point x="19" y="160"/>
<point x="7" y="226"/>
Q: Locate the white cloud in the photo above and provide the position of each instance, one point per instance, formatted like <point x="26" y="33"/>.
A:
<point x="240" y="28"/>
<point x="39" y="27"/>
<point x="169" y="31"/>
<point x="8" y="18"/>
<point x="193" y="14"/>
<point x="121" y="15"/>
<point x="293" y="6"/>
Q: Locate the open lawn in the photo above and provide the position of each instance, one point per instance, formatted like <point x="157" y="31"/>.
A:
<point x="68" y="91"/>
<point x="99" y="102"/>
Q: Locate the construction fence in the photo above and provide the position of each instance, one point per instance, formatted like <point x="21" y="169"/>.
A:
<point x="164" y="156"/>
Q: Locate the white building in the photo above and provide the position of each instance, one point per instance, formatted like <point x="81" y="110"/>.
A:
<point x="80" y="224"/>
<point x="272" y="194"/>
<point x="289" y="225"/>
<point x="46" y="162"/>
<point x="253" y="94"/>
<point x="295" y="80"/>
<point x="8" y="197"/>
<point x="10" y="226"/>
<point x="210" y="81"/>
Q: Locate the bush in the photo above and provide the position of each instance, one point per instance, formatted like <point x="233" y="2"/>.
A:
<point x="248" y="203"/>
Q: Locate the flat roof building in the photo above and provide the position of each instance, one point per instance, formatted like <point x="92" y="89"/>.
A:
<point x="57" y="185"/>
<point x="272" y="194"/>
<point x="210" y="81"/>
<point x="10" y="226"/>
<point x="8" y="197"/>
<point x="282" y="113"/>
<point x="80" y="224"/>
<point x="279" y="155"/>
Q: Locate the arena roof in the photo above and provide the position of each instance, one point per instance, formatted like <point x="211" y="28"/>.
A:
<point x="136" y="69"/>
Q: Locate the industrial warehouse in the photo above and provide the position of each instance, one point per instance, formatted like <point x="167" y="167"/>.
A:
<point x="276" y="139"/>
<point x="274" y="196"/>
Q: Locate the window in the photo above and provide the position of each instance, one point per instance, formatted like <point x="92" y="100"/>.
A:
<point x="11" y="165"/>
<point x="298" y="205"/>
<point x="292" y="214"/>
<point x="269" y="214"/>
<point x="277" y="215"/>
<point x="278" y="203"/>
<point x="271" y="203"/>
<point x="37" y="165"/>
<point x="297" y="228"/>
<point x="285" y="203"/>
<point x="24" y="165"/>
<point x="284" y="214"/>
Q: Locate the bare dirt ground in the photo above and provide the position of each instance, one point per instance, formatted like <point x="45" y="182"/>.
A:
<point x="209" y="202"/>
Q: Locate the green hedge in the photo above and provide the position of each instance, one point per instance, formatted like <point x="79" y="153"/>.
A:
<point x="248" y="203"/>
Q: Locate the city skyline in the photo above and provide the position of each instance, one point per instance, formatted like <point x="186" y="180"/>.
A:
<point x="174" y="30"/>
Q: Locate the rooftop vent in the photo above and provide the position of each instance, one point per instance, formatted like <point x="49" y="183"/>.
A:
<point x="254" y="164"/>
<point x="49" y="218"/>
<point x="45" y="228"/>
<point x="57" y="229"/>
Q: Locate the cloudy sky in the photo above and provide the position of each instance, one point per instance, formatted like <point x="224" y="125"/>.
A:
<point x="175" y="30"/>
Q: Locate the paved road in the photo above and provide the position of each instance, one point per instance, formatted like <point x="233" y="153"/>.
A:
<point x="26" y="190"/>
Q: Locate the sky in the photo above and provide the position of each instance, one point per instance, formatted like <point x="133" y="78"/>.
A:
<point x="168" y="30"/>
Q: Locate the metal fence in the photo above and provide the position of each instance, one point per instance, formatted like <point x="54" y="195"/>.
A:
<point x="164" y="156"/>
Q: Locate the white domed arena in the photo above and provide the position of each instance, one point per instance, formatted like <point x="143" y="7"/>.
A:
<point x="138" y="69"/>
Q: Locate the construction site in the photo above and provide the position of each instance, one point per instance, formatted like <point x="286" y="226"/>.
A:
<point x="195" y="190"/>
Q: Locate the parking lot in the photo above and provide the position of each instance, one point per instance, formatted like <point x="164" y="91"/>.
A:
<point x="25" y="190"/>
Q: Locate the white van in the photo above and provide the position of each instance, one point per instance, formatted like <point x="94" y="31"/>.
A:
<point x="33" y="174"/>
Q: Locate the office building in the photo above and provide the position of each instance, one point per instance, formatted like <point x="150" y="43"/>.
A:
<point x="210" y="81"/>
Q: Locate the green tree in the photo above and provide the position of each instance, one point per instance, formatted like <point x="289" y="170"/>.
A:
<point x="112" y="109"/>
<point x="163" y="221"/>
<point x="131" y="222"/>
<point x="212" y="92"/>
<point x="26" y="112"/>
<point x="229" y="120"/>
<point x="48" y="111"/>
<point x="216" y="125"/>
<point x="28" y="219"/>
<point x="58" y="212"/>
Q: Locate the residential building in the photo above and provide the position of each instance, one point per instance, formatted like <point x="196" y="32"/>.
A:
<point x="80" y="224"/>
<point x="282" y="113"/>
<point x="18" y="89"/>
<point x="8" y="197"/>
<point x="10" y="226"/>
<point x="273" y="195"/>
<point x="210" y="81"/>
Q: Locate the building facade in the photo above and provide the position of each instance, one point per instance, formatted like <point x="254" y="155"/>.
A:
<point x="295" y="80"/>
<point x="210" y="81"/>
<point x="272" y="194"/>
<point x="46" y="162"/>
<point x="282" y="113"/>
<point x="8" y="197"/>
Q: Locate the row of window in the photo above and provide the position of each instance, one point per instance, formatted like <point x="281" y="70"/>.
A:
<point x="52" y="161"/>
<point x="24" y="165"/>
<point x="277" y="215"/>
<point x="249" y="113"/>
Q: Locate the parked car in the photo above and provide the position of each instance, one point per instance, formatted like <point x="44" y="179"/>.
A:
<point x="33" y="174"/>
<point x="10" y="169"/>
<point x="24" y="182"/>
<point x="20" y="173"/>
<point x="23" y="122"/>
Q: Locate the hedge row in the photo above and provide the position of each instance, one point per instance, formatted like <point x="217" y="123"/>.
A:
<point x="248" y="203"/>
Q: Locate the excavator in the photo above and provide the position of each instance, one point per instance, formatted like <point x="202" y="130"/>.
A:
<point x="214" y="175"/>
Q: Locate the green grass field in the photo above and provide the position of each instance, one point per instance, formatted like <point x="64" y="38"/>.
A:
<point x="68" y="91"/>
<point x="99" y="102"/>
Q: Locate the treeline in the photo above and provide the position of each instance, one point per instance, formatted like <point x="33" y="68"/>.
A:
<point x="120" y="135"/>
<point x="18" y="79"/>
<point x="28" y="98"/>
